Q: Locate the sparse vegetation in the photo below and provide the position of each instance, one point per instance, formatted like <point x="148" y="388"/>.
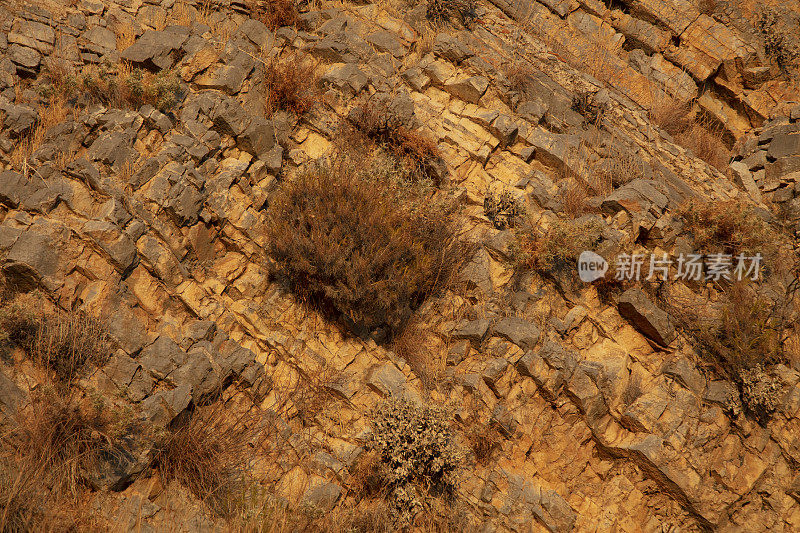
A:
<point x="360" y="249"/>
<point x="48" y="450"/>
<point x="275" y="13"/>
<point x="729" y="227"/>
<point x="780" y="44"/>
<point x="742" y="336"/>
<point x="291" y="85"/>
<point x="375" y="123"/>
<point x="463" y="12"/>
<point x="587" y="105"/>
<point x="120" y="86"/>
<point x="210" y="454"/>
<point x="557" y="247"/>
<point x="691" y="131"/>
<point x="503" y="208"/>
<point x="62" y="342"/>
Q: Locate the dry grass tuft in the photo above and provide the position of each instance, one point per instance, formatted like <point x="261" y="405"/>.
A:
<point x="358" y="248"/>
<point x="48" y="450"/>
<point x="63" y="343"/>
<point x="275" y="13"/>
<point x="557" y="248"/>
<point x="705" y="139"/>
<point x="728" y="227"/>
<point x="291" y="85"/>
<point x="210" y="455"/>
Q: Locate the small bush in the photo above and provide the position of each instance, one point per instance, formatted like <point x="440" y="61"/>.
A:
<point x="358" y="248"/>
<point x="503" y="208"/>
<point x="586" y="104"/>
<point x="742" y="336"/>
<point x="61" y="342"/>
<point x="416" y="448"/>
<point x="557" y="248"/>
<point x="376" y="123"/>
<point x="291" y="85"/>
<point x="463" y="12"/>
<point x="275" y="13"/>
<point x="728" y="227"/>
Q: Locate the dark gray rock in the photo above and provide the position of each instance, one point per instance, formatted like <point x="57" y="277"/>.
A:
<point x="519" y="331"/>
<point x="18" y="119"/>
<point x="468" y="89"/>
<point x="346" y="77"/>
<point x="259" y="138"/>
<point x="155" y="49"/>
<point x="451" y="48"/>
<point x="163" y="406"/>
<point x="654" y="323"/>
<point x="162" y="357"/>
<point x="323" y="496"/>
<point x="473" y="331"/>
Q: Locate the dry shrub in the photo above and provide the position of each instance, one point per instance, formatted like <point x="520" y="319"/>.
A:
<point x="780" y="41"/>
<point x="484" y="440"/>
<point x="49" y="448"/>
<point x="742" y="336"/>
<point x="585" y="103"/>
<point x="275" y="13"/>
<point x="210" y="455"/>
<point x="463" y="12"/>
<point x="62" y="342"/>
<point x="291" y="85"/>
<point x="728" y="227"/>
<point x="376" y="123"/>
<point x="557" y="248"/>
<point x="691" y="131"/>
<point x="358" y="248"/>
<point x="415" y="346"/>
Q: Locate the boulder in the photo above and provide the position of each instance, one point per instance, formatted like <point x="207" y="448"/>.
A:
<point x="519" y="331"/>
<point x="652" y="322"/>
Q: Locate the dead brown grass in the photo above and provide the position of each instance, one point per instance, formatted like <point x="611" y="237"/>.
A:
<point x="63" y="343"/>
<point x="291" y="85"/>
<point x="374" y="123"/>
<point x="691" y="131"/>
<point x="53" y="113"/>
<point x="275" y="13"/>
<point x="358" y="248"/>
<point x="48" y="450"/>
<point x="729" y="227"/>
<point x="210" y="455"/>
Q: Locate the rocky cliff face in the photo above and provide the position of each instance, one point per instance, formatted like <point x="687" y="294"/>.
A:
<point x="604" y="414"/>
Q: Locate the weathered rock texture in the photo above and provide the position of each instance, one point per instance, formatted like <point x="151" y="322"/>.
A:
<point x="156" y="224"/>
